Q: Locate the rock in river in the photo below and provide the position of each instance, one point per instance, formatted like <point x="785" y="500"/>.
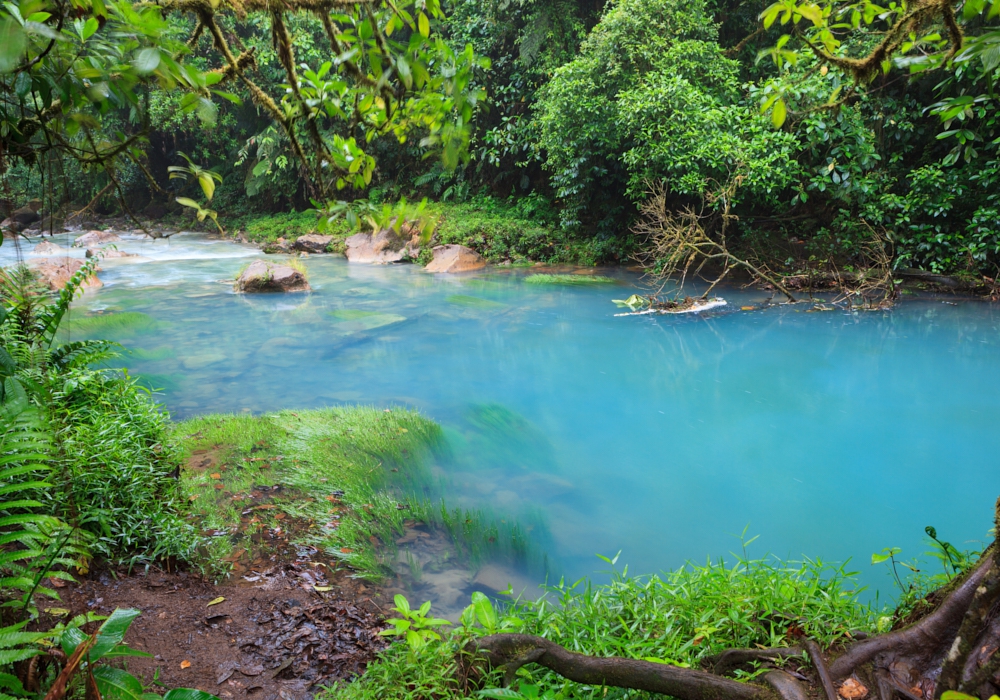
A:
<point x="55" y="273"/>
<point x="49" y="248"/>
<point x="455" y="258"/>
<point x="386" y="246"/>
<point x="263" y="276"/>
<point x="93" y="238"/>
<point x="108" y="253"/>
<point x="312" y="243"/>
<point x="278" y="246"/>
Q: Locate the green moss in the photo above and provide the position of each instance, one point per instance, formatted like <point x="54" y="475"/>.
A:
<point x="289" y="225"/>
<point x="575" y="280"/>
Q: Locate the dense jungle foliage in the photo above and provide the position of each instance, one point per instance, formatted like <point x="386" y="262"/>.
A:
<point x="578" y="107"/>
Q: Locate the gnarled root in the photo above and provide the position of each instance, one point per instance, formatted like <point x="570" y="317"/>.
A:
<point x="511" y="651"/>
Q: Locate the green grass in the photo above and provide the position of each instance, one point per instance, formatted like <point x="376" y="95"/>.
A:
<point x="312" y="455"/>
<point x="682" y="617"/>
<point x="568" y="279"/>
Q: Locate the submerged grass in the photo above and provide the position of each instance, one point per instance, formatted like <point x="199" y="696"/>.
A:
<point x="113" y="325"/>
<point x="682" y="617"/>
<point x="333" y="469"/>
<point x="568" y="280"/>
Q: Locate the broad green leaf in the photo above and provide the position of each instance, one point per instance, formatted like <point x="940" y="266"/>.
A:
<point x="778" y="113"/>
<point x="184" y="201"/>
<point x="13" y="42"/>
<point x="424" y="25"/>
<point x="116" y="684"/>
<point x="91" y="26"/>
<point x="188" y="694"/>
<point x="207" y="185"/>
<point x="485" y="612"/>
<point x="146" y="61"/>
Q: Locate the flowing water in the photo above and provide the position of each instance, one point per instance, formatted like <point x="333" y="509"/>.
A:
<point x="830" y="434"/>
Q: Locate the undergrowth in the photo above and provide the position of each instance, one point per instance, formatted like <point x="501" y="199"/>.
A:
<point x="682" y="617"/>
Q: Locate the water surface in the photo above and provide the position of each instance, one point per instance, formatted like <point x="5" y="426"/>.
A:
<point x="830" y="434"/>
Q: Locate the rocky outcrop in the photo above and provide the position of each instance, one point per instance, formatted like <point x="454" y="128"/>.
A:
<point x="277" y="247"/>
<point x="56" y="272"/>
<point x="25" y="216"/>
<point x="95" y="238"/>
<point x="49" y="248"/>
<point x="455" y="258"/>
<point x="108" y="253"/>
<point x="50" y="223"/>
<point x="263" y="276"/>
<point x="386" y="246"/>
<point x="312" y="243"/>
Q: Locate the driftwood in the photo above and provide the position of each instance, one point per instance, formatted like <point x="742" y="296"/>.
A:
<point x="953" y="647"/>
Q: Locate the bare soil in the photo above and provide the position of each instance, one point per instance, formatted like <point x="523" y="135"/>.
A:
<point x="275" y="637"/>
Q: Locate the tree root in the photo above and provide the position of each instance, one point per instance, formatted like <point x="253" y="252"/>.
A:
<point x="732" y="659"/>
<point x="511" y="651"/>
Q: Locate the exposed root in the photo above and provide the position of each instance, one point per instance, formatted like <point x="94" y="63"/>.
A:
<point x="732" y="659"/>
<point x="511" y="651"/>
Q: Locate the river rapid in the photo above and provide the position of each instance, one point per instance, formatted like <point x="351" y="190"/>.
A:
<point x="829" y="434"/>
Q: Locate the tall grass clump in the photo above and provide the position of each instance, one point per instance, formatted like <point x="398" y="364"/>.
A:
<point x="681" y="617"/>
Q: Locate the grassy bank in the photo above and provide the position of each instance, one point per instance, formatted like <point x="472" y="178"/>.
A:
<point x="519" y="232"/>
<point x="320" y="478"/>
<point x="682" y="618"/>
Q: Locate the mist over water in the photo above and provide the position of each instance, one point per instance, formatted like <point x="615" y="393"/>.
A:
<point x="830" y="434"/>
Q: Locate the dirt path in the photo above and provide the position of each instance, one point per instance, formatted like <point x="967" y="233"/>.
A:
<point x="276" y="637"/>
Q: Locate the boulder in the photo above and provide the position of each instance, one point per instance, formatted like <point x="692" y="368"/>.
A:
<point x="386" y="246"/>
<point x="49" y="248"/>
<point x="278" y="246"/>
<point x="108" y="253"/>
<point x="55" y="273"/>
<point x="94" y="238"/>
<point x="312" y="243"/>
<point x="25" y="216"/>
<point x="263" y="276"/>
<point x="455" y="258"/>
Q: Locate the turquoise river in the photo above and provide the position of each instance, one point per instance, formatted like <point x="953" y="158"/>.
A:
<point x="829" y="434"/>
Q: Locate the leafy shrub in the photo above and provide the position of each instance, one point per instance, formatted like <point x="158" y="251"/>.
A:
<point x="114" y="470"/>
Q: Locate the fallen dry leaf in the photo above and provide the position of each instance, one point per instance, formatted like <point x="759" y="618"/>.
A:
<point x="851" y="689"/>
<point x="215" y="601"/>
<point x="746" y="308"/>
<point x="219" y="487"/>
<point x="185" y="664"/>
<point x="216" y="475"/>
<point x="322" y="588"/>
<point x="346" y="550"/>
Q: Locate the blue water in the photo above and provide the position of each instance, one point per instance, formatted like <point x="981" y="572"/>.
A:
<point x="829" y="434"/>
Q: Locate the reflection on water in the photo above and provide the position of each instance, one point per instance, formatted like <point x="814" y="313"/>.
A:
<point x="831" y="434"/>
